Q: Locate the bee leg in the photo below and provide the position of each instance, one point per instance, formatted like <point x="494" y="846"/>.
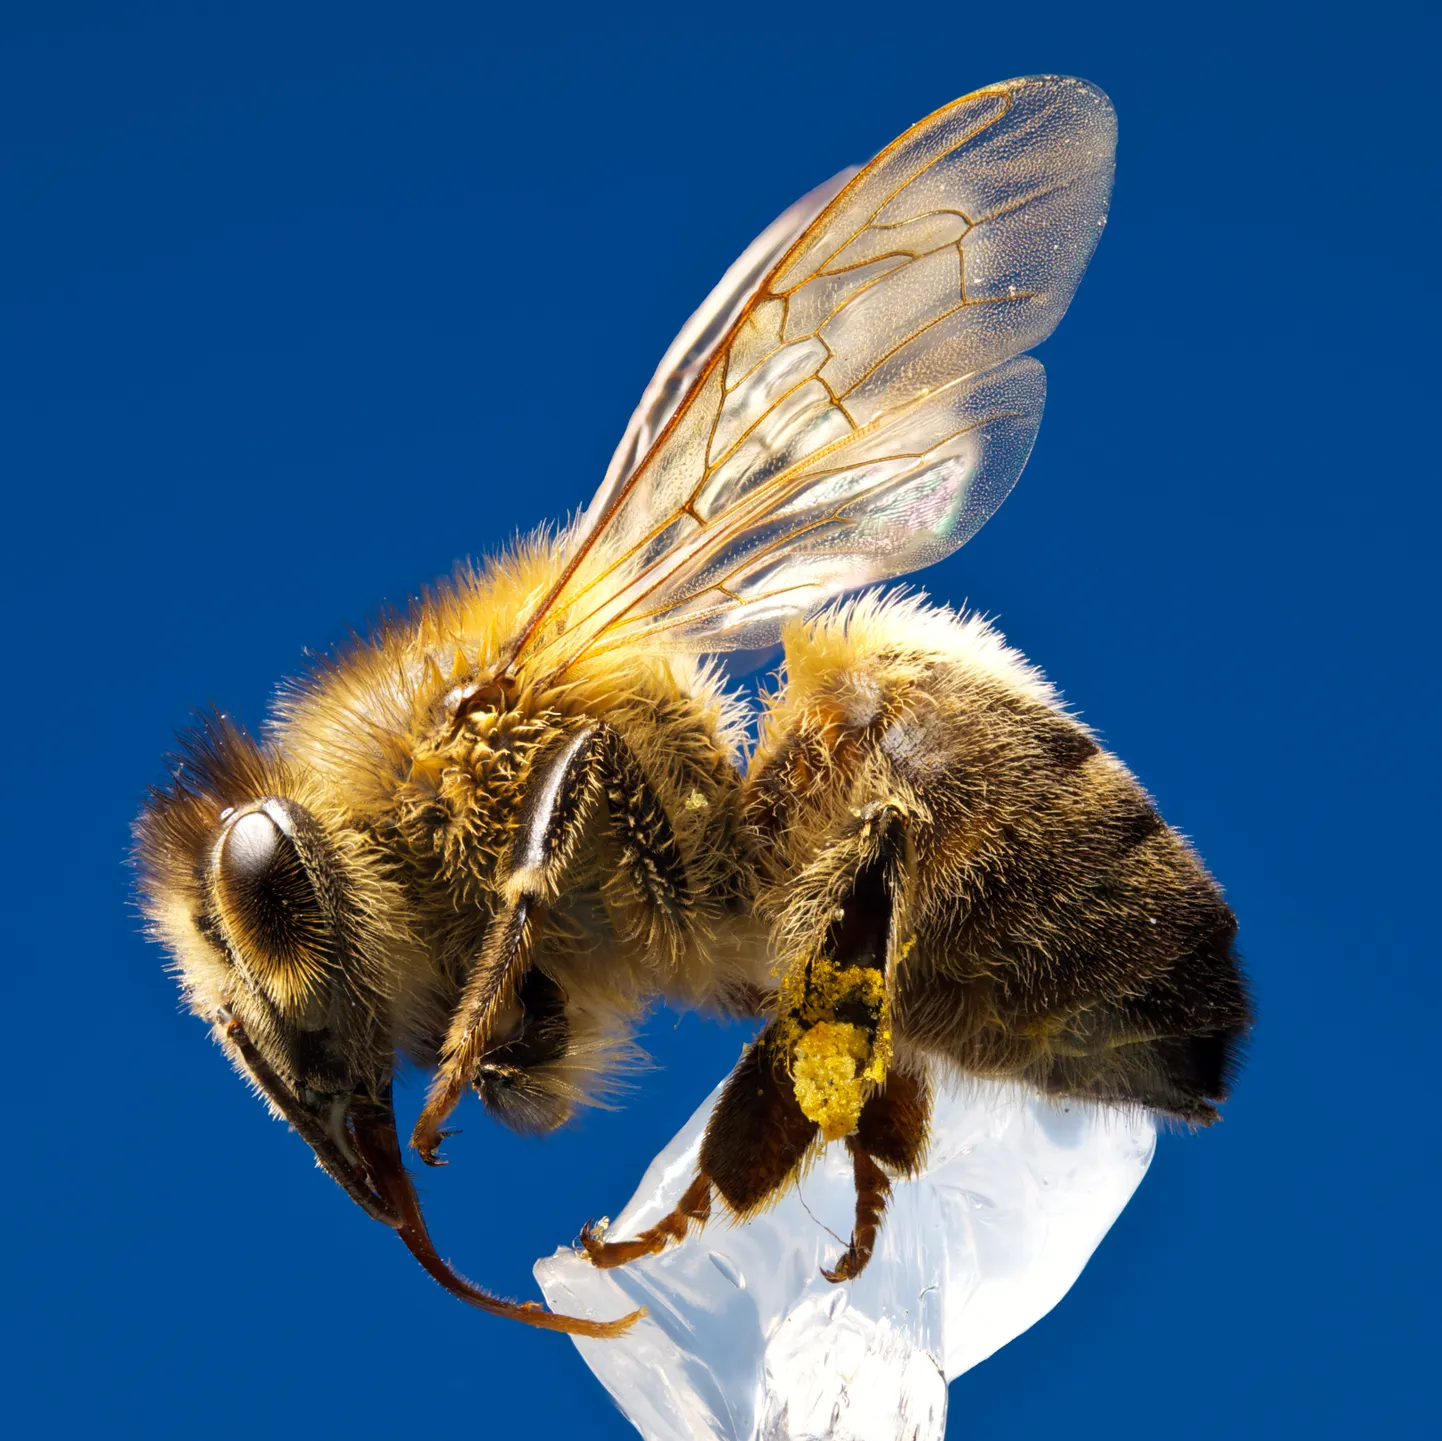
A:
<point x="651" y="866"/>
<point x="504" y="959"/>
<point x="811" y="1072"/>
<point x="594" y="766"/>
<point x="836" y="1015"/>
<point x="834" y="1001"/>
<point x="758" y="1137"/>
<point x="693" y="1207"/>
<point x="890" y="1138"/>
<point x="755" y="1142"/>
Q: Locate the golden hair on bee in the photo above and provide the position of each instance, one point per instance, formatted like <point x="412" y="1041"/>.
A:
<point x="227" y="868"/>
<point x="490" y="836"/>
<point x="338" y="896"/>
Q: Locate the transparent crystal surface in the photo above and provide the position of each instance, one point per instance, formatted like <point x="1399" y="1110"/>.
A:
<point x="746" y="1340"/>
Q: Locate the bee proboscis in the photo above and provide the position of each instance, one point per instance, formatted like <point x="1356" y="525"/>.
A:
<point x="489" y="836"/>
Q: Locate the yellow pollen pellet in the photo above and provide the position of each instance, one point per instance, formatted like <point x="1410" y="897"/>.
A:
<point x="828" y="1071"/>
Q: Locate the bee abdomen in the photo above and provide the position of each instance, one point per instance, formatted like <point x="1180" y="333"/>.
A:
<point x="1064" y="933"/>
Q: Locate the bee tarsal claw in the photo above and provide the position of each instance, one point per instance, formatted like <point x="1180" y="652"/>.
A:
<point x="428" y="1149"/>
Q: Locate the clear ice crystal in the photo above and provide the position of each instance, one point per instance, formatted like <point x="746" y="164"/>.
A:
<point x="746" y="1341"/>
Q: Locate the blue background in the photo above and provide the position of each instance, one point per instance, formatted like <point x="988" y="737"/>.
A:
<point x="300" y="304"/>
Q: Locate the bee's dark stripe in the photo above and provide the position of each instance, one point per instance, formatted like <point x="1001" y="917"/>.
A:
<point x="1065" y="745"/>
<point x="1137" y="823"/>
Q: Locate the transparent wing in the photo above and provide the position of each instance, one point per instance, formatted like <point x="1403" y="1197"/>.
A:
<point x="867" y="407"/>
<point x="703" y="333"/>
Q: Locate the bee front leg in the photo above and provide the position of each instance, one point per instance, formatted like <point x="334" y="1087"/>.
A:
<point x="594" y="767"/>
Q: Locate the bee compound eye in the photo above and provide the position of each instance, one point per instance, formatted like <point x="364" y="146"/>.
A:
<point x="250" y="849"/>
<point x="265" y="889"/>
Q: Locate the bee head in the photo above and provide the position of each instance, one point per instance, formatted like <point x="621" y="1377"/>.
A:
<point x="292" y="942"/>
<point x="286" y="936"/>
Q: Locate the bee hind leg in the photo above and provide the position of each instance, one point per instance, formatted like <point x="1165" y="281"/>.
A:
<point x="694" y="1208"/>
<point x="819" y="1071"/>
<point x="836" y="1017"/>
<point x="755" y="1143"/>
<point x="890" y="1139"/>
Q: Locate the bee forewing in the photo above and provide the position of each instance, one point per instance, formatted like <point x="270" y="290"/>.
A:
<point x="698" y="339"/>
<point x="863" y="414"/>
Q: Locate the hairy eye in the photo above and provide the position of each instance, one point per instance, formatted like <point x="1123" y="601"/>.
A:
<point x="266" y="893"/>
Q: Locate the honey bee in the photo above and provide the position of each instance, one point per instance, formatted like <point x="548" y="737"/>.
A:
<point x="487" y="838"/>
